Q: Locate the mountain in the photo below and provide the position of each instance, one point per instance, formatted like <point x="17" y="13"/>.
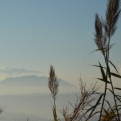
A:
<point x="32" y="84"/>
<point x="30" y="80"/>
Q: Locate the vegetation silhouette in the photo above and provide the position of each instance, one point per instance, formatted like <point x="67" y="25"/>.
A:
<point x="83" y="109"/>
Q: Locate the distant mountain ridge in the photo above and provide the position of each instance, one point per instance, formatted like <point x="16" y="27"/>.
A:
<point x="30" y="80"/>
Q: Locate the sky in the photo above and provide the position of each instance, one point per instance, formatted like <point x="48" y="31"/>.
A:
<point x="35" y="34"/>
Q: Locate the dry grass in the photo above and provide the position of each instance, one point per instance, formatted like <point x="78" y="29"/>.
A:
<point x="104" y="30"/>
<point x="53" y="84"/>
<point x="83" y="103"/>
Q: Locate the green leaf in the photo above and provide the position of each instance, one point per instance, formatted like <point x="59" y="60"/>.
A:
<point x="95" y="113"/>
<point x="117" y="88"/>
<point x="111" y="91"/>
<point x="110" y="107"/>
<point x="98" y="66"/>
<point x="106" y="112"/>
<point x="119" y="96"/>
<point x="94" y="51"/>
<point x="103" y="73"/>
<point x="97" y="103"/>
<point x="103" y="80"/>
<point x="114" y="94"/>
<point x="119" y="99"/>
<point x="114" y="66"/>
<point x="87" y="111"/>
<point x="116" y="75"/>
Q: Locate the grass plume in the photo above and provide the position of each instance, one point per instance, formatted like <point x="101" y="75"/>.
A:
<point x="104" y="30"/>
<point x="112" y="15"/>
<point x="53" y="84"/>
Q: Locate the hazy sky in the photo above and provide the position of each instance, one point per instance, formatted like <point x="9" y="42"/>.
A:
<point x="37" y="33"/>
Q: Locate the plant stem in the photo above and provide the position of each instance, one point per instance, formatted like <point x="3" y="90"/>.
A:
<point x="103" y="101"/>
<point x="111" y="79"/>
<point x="115" y="99"/>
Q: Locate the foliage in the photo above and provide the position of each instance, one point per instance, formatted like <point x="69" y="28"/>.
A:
<point x="104" y="30"/>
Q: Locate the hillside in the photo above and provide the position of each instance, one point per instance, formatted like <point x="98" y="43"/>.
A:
<point x="32" y="84"/>
<point x="30" y="80"/>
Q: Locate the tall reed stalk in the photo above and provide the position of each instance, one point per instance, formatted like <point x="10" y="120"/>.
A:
<point x="104" y="30"/>
<point x="53" y="84"/>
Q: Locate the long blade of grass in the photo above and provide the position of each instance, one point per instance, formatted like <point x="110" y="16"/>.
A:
<point x="94" y="51"/>
<point x="95" y="113"/>
<point x="116" y="75"/>
<point x="117" y="88"/>
<point x="119" y="99"/>
<point x="110" y="91"/>
<point x="119" y="96"/>
<point x="111" y="108"/>
<point x="103" y="73"/>
<point x="103" y="80"/>
<point x="88" y="111"/>
<point x="97" y="103"/>
<point x="99" y="66"/>
<point x="114" y="94"/>
<point x="106" y="112"/>
<point x="114" y="66"/>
